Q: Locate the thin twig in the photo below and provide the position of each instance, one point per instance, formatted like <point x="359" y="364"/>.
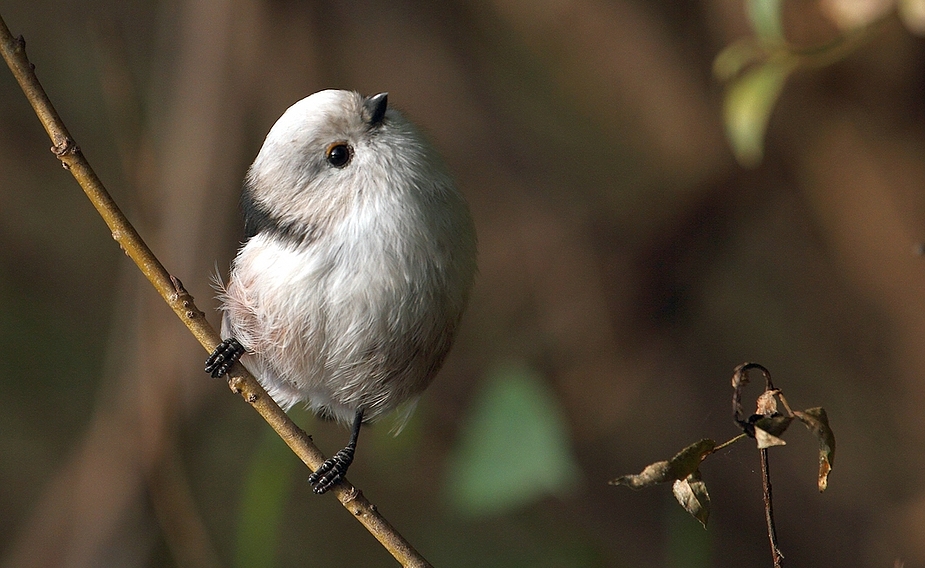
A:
<point x="172" y="291"/>
<point x="728" y="443"/>
<point x="769" y="508"/>
<point x="739" y="380"/>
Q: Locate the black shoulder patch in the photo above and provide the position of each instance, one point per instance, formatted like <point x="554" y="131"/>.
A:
<point x="258" y="219"/>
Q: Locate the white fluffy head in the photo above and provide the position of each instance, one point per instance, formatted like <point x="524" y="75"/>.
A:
<point x="295" y="182"/>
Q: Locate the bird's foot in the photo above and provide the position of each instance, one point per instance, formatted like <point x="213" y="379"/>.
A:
<point x="224" y="356"/>
<point x="331" y="471"/>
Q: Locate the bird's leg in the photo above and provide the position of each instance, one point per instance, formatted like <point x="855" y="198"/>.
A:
<point x="224" y="356"/>
<point x="335" y="467"/>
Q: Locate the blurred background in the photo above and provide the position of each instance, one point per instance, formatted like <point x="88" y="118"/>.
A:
<point x="628" y="262"/>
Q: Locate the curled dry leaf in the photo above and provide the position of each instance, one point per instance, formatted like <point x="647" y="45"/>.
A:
<point x="766" y="403"/>
<point x="679" y="467"/>
<point x="739" y="380"/>
<point x="766" y="440"/>
<point x="774" y="425"/>
<point x="818" y="423"/>
<point x="691" y="493"/>
<point x="769" y="428"/>
<point x="653" y="474"/>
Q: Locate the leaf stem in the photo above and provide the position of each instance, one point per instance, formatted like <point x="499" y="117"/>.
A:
<point x="729" y="442"/>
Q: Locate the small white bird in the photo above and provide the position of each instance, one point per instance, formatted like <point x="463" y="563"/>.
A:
<point x="358" y="259"/>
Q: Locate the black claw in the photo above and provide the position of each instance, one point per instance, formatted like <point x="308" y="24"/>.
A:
<point x="331" y="471"/>
<point x="224" y="356"/>
<point x="335" y="468"/>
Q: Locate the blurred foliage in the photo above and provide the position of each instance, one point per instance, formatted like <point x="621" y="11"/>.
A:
<point x="766" y="18"/>
<point x="264" y="494"/>
<point x="747" y="108"/>
<point x="513" y="448"/>
<point x="756" y="69"/>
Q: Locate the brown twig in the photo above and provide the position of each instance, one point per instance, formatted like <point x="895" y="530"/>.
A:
<point x="769" y="508"/>
<point x="172" y="291"/>
<point x="739" y="380"/>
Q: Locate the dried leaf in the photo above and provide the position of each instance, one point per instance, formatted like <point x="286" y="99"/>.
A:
<point x="818" y="423"/>
<point x="680" y="466"/>
<point x="739" y="380"/>
<point x="766" y="403"/>
<point x="774" y="425"/>
<point x="767" y="440"/>
<point x="688" y="460"/>
<point x="691" y="493"/>
<point x="653" y="474"/>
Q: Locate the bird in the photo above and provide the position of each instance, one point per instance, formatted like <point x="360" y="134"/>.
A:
<point x="358" y="259"/>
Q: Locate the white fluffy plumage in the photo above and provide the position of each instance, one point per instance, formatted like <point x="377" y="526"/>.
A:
<point x="349" y="288"/>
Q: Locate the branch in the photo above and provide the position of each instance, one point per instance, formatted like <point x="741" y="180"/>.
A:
<point x="172" y="291"/>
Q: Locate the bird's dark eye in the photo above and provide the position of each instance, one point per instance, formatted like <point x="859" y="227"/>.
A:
<point x="339" y="154"/>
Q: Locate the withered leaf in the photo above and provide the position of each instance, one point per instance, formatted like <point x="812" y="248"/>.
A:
<point x="818" y="423"/>
<point x="691" y="493"/>
<point x="766" y="439"/>
<point x="653" y="474"/>
<point x="739" y="380"/>
<point x="680" y="466"/>
<point x="774" y="425"/>
<point x="766" y="403"/>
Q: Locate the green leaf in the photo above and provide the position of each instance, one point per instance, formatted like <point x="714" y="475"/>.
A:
<point x="263" y="501"/>
<point x="765" y="18"/>
<point x="735" y="57"/>
<point x="747" y="107"/>
<point x="514" y="447"/>
<point x="683" y="464"/>
<point x="818" y="423"/>
<point x="691" y="493"/>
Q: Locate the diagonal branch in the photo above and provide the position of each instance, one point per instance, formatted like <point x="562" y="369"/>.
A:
<point x="172" y="291"/>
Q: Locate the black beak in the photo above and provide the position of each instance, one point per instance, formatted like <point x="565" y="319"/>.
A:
<point x="376" y="105"/>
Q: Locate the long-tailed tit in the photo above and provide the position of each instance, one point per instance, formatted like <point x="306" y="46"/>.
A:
<point x="358" y="259"/>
